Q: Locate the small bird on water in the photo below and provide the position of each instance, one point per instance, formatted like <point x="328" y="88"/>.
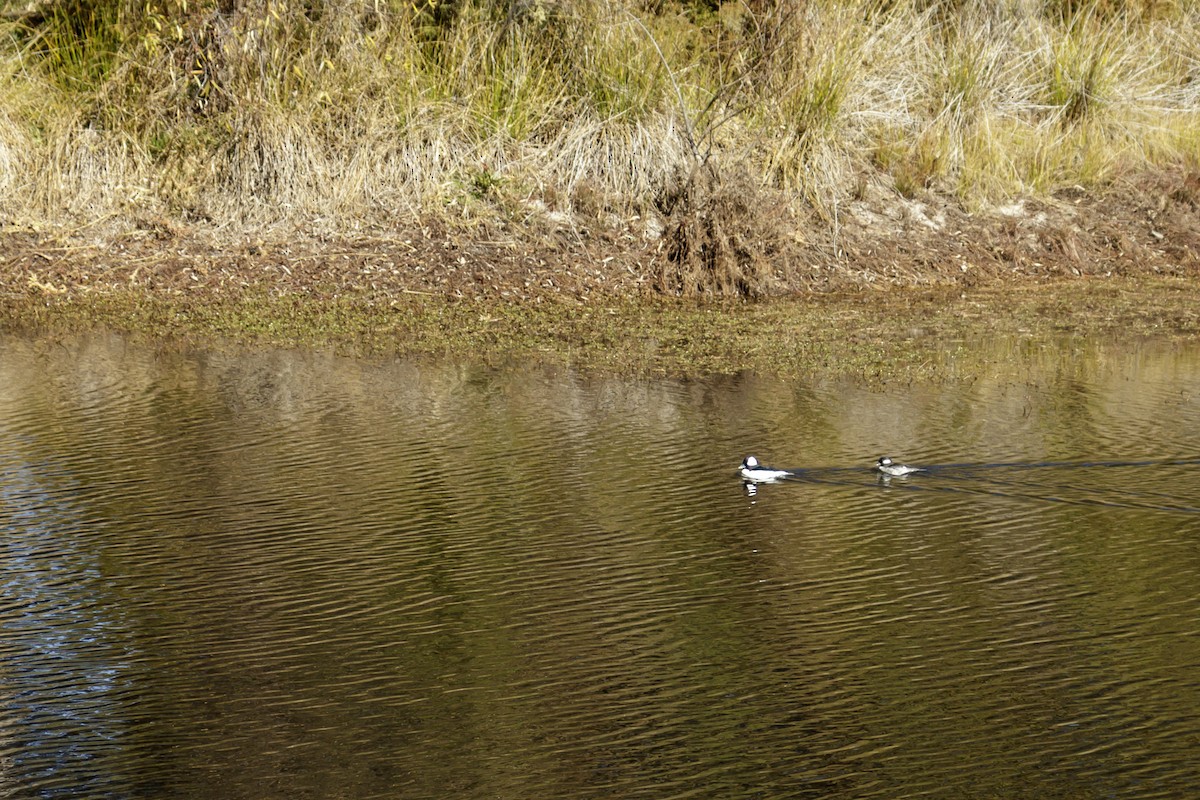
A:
<point x="752" y="470"/>
<point x="889" y="467"/>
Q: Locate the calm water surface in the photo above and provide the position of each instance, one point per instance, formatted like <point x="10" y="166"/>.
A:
<point x="289" y="575"/>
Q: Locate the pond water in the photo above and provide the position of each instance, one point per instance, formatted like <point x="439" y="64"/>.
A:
<point x="286" y="575"/>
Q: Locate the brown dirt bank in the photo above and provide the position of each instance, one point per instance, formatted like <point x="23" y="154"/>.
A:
<point x="1125" y="257"/>
<point x="1147" y="226"/>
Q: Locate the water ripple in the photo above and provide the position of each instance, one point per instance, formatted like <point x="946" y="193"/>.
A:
<point x="286" y="574"/>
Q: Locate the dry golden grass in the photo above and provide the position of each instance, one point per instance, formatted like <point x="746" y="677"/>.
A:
<point x="330" y="117"/>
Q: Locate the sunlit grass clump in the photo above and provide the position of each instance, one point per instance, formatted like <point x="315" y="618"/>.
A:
<point x="333" y="115"/>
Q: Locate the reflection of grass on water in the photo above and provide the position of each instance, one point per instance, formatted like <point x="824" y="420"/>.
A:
<point x="334" y="114"/>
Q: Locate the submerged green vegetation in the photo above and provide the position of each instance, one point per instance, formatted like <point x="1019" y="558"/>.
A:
<point x="877" y="338"/>
<point x="329" y="114"/>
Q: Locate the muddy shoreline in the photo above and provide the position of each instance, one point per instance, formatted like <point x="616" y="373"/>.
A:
<point x="883" y="290"/>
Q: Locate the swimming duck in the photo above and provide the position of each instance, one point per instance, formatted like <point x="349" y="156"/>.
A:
<point x="751" y="470"/>
<point x="889" y="467"/>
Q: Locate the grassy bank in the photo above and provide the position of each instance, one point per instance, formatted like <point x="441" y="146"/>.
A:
<point x="727" y="132"/>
